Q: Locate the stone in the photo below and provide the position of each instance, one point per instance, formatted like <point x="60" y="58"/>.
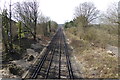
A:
<point x="36" y="46"/>
<point x="31" y="51"/>
<point x="30" y="58"/>
<point x="110" y="53"/>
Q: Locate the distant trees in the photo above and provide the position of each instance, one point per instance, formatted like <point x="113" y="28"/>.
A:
<point x="112" y="14"/>
<point x="53" y="25"/>
<point x="85" y="13"/>
<point x="27" y="13"/>
<point x="44" y="24"/>
<point x="70" y="24"/>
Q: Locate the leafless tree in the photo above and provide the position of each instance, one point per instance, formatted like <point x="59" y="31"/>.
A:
<point x="5" y="30"/>
<point x="27" y="13"/>
<point x="86" y="13"/>
<point x="43" y="20"/>
<point x="112" y="14"/>
<point x="10" y="28"/>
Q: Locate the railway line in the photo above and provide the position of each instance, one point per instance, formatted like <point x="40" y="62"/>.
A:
<point x="55" y="62"/>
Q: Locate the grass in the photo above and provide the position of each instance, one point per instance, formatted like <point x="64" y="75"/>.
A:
<point x="98" y="64"/>
<point x="100" y="36"/>
<point x="90" y="50"/>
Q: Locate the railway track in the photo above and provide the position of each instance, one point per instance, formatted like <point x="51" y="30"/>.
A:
<point x="55" y="62"/>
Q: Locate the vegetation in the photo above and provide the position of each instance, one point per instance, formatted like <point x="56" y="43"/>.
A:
<point x="15" y="70"/>
<point x="27" y="13"/>
<point x="97" y="63"/>
<point x="98" y="34"/>
<point x="27" y="28"/>
<point x="5" y="30"/>
<point x="22" y="27"/>
<point x="90" y="40"/>
<point x="85" y="14"/>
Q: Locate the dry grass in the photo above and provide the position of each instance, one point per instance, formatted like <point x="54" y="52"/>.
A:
<point x="100" y="36"/>
<point x="89" y="49"/>
<point x="98" y="64"/>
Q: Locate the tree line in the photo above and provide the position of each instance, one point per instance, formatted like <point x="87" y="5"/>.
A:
<point x="95" y="27"/>
<point x="86" y="14"/>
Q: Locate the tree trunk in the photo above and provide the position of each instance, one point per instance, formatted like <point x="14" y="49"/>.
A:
<point x="34" y="36"/>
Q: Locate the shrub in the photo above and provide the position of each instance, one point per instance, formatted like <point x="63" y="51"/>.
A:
<point x="80" y="45"/>
<point x="99" y="36"/>
<point x="15" y="70"/>
<point x="90" y="35"/>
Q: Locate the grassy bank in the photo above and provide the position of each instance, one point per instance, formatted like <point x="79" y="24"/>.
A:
<point x="89" y="48"/>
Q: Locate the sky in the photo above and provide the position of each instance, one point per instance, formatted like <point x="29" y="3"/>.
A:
<point x="62" y="10"/>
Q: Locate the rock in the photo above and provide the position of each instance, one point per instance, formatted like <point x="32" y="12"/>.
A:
<point x="110" y="53"/>
<point x="31" y="51"/>
<point x="30" y="58"/>
<point x="36" y="46"/>
<point x="92" y="44"/>
<point x="68" y="39"/>
<point x="71" y="47"/>
<point x="113" y="49"/>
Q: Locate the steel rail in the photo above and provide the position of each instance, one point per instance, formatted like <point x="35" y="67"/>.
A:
<point x="68" y="59"/>
<point x="57" y="42"/>
<point x="35" y="73"/>
<point x="53" y="52"/>
<point x="60" y="45"/>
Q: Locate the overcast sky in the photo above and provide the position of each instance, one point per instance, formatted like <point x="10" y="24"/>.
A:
<point x="62" y="10"/>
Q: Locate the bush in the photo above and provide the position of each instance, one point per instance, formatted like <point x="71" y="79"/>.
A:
<point x="14" y="55"/>
<point x="94" y="35"/>
<point x="90" y="35"/>
<point x="99" y="36"/>
<point x="80" y="45"/>
<point x="15" y="70"/>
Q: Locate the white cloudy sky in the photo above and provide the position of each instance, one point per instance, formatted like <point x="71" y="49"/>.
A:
<point x="63" y="10"/>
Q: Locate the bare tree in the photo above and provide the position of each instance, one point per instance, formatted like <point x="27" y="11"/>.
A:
<point x="5" y="30"/>
<point x="27" y="13"/>
<point x="19" y="25"/>
<point x="44" y="22"/>
<point x="10" y="28"/>
<point x="34" y="7"/>
<point x="86" y="13"/>
<point x="112" y="13"/>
